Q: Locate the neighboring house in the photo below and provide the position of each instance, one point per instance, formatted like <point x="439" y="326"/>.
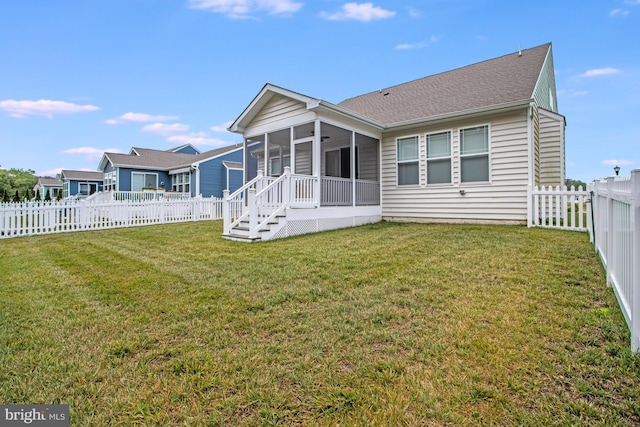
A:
<point x="182" y="170"/>
<point x="52" y="185"/>
<point x="80" y="184"/>
<point x="459" y="146"/>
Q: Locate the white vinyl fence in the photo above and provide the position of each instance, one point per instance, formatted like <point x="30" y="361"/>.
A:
<point x="31" y="218"/>
<point x="616" y="237"/>
<point x="562" y="208"/>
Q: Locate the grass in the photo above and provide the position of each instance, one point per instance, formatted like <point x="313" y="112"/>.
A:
<point x="387" y="324"/>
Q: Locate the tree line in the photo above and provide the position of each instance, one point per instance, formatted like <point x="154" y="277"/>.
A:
<point x="16" y="185"/>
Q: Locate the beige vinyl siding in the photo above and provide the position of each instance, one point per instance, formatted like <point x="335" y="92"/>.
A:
<point x="551" y="149"/>
<point x="503" y="199"/>
<point x="277" y="108"/>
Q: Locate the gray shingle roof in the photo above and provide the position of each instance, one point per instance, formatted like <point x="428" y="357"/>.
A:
<point x="49" y="182"/>
<point x="82" y="175"/>
<point x="502" y="80"/>
<point x="163" y="160"/>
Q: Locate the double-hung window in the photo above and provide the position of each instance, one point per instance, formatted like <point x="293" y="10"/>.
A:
<point x="408" y="161"/>
<point x="180" y="182"/>
<point x="439" y="158"/>
<point x="474" y="154"/>
<point x="109" y="181"/>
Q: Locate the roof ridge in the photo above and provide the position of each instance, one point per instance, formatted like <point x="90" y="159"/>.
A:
<point x="520" y="51"/>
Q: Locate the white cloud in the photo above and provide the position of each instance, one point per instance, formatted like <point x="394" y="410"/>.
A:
<point x="139" y="118"/>
<point x="221" y="127"/>
<point x="615" y="162"/>
<point x="419" y="45"/>
<point x="43" y="107"/>
<point x="197" y="139"/>
<point x="364" y="12"/>
<point x="244" y="8"/>
<point x="599" y="72"/>
<point x="165" y="128"/>
<point x="633" y="2"/>
<point x="619" y="12"/>
<point x="90" y="153"/>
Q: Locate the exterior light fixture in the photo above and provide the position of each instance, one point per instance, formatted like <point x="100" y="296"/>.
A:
<point x="617" y="170"/>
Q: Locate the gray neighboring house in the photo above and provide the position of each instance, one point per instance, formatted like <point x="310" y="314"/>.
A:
<point x="459" y="146"/>
<point x="80" y="184"/>
<point x="182" y="169"/>
<point x="53" y="185"/>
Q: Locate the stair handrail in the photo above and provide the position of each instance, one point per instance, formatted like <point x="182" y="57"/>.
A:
<point x="229" y="200"/>
<point x="283" y="202"/>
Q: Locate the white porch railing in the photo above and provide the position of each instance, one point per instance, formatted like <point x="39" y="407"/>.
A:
<point x="32" y="218"/>
<point x="336" y="191"/>
<point x="616" y="237"/>
<point x="562" y="208"/>
<point x="339" y="192"/>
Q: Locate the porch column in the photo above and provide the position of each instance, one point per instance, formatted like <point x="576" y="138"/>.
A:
<point x="292" y="160"/>
<point x="266" y="155"/>
<point x="317" y="172"/>
<point x="353" y="168"/>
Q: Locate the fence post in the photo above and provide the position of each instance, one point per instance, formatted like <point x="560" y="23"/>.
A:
<point x="635" y="254"/>
<point x="226" y="214"/>
<point x="610" y="230"/>
<point x="253" y="214"/>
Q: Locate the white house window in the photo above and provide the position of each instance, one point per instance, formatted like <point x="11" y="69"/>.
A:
<point x="474" y="154"/>
<point x="408" y="161"/>
<point x="143" y="180"/>
<point x="439" y="158"/>
<point x="181" y="182"/>
<point x="110" y="181"/>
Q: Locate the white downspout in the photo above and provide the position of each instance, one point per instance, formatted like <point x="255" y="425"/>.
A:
<point x="197" y="169"/>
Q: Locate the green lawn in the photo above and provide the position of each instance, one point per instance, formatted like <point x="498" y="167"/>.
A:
<point x="388" y="324"/>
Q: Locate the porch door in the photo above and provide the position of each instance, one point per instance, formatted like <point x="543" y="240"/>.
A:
<point x="338" y="162"/>
<point x="303" y="158"/>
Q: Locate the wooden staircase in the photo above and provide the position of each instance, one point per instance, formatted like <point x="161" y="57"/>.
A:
<point x="240" y="232"/>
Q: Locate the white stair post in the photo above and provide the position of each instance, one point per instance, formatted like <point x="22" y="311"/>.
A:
<point x="286" y="187"/>
<point x="253" y="214"/>
<point x="226" y="214"/>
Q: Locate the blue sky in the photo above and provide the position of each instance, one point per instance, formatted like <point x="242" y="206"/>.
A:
<point x="78" y="78"/>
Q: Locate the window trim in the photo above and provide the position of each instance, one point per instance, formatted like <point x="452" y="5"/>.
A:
<point x="417" y="160"/>
<point x="487" y="154"/>
<point x="450" y="157"/>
